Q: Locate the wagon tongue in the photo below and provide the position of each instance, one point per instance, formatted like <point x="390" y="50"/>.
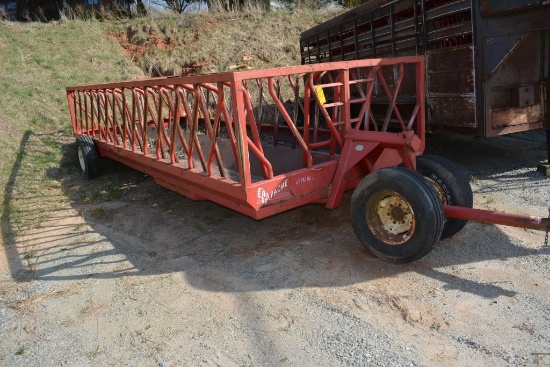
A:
<point x="513" y="220"/>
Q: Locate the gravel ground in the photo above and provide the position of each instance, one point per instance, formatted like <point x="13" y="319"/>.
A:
<point x="160" y="280"/>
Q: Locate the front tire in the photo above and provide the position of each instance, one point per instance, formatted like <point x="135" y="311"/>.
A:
<point x="397" y="214"/>
<point x="88" y="158"/>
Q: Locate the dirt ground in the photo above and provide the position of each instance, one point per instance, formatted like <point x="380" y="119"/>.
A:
<point x="155" y="279"/>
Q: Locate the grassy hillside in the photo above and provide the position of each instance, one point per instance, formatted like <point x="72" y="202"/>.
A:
<point x="38" y="61"/>
<point x="215" y="42"/>
<point x="38" y="169"/>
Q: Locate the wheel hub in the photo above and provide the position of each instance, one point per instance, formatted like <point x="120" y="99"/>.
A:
<point x="440" y="191"/>
<point x="391" y="218"/>
<point x="81" y="159"/>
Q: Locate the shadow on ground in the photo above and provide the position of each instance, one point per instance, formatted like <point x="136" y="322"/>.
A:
<point x="150" y="230"/>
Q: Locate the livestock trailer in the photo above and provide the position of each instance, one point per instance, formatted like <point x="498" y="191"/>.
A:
<point x="487" y="61"/>
<point x="265" y="141"/>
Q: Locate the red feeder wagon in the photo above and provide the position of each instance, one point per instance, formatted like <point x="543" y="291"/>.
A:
<point x="265" y="141"/>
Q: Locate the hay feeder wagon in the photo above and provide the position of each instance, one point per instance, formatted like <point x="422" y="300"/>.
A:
<point x="265" y="141"/>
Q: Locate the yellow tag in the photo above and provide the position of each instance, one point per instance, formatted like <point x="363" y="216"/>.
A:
<point x="321" y="95"/>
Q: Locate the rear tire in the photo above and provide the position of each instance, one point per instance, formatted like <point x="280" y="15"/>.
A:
<point x="396" y="214"/>
<point x="88" y="158"/>
<point x="451" y="184"/>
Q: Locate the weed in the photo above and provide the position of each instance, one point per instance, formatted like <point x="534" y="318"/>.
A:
<point x="435" y="326"/>
<point x="29" y="255"/>
<point x="491" y="200"/>
<point x="16" y="214"/>
<point x="96" y="195"/>
<point x="474" y="180"/>
<point x="20" y="351"/>
<point x="98" y="213"/>
<point x="115" y="193"/>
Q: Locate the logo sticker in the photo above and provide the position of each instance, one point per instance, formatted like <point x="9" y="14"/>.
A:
<point x="264" y="197"/>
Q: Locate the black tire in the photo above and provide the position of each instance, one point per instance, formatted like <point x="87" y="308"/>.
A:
<point x="451" y="185"/>
<point x="414" y="219"/>
<point x="87" y="156"/>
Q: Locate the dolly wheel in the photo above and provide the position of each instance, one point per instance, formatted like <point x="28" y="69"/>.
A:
<point x="397" y="214"/>
<point x="87" y="157"/>
<point x="451" y="185"/>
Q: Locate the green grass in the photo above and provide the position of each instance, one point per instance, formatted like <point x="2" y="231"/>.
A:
<point x="39" y="173"/>
<point x="38" y="61"/>
<point x="98" y="213"/>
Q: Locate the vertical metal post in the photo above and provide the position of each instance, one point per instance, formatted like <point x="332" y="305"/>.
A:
<point x="329" y="46"/>
<point x="308" y="51"/>
<point x="144" y="121"/>
<point x="372" y="35"/>
<point x="392" y="31"/>
<point x="415" y="16"/>
<point x="318" y="49"/>
<point x="106" y="116"/>
<point x="356" y="44"/>
<point x="114" y="118"/>
<point x="87" y="115"/>
<point x="124" y="118"/>
<point x="345" y="98"/>
<point x="92" y="121"/>
<point x="237" y="100"/>
<point x="342" y="42"/>
<point x="307" y="109"/>
<point x="70" y="97"/>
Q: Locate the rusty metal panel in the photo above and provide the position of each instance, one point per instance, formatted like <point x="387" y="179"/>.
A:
<point x="514" y="91"/>
<point x="514" y="116"/>
<point x="524" y="96"/>
<point x="491" y="7"/>
<point x="450" y="87"/>
<point x="452" y="111"/>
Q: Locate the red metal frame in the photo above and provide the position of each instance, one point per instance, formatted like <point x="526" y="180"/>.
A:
<point x="144" y="124"/>
<point x="264" y="141"/>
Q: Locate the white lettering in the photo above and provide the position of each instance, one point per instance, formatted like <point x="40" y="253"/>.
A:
<point x="303" y="180"/>
<point x="265" y="197"/>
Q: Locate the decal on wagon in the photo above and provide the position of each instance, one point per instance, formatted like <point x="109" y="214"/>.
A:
<point x="265" y="197"/>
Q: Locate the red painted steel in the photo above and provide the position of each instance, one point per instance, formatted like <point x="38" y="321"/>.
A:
<point x="262" y="141"/>
<point x="221" y="137"/>
<point x="486" y="216"/>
